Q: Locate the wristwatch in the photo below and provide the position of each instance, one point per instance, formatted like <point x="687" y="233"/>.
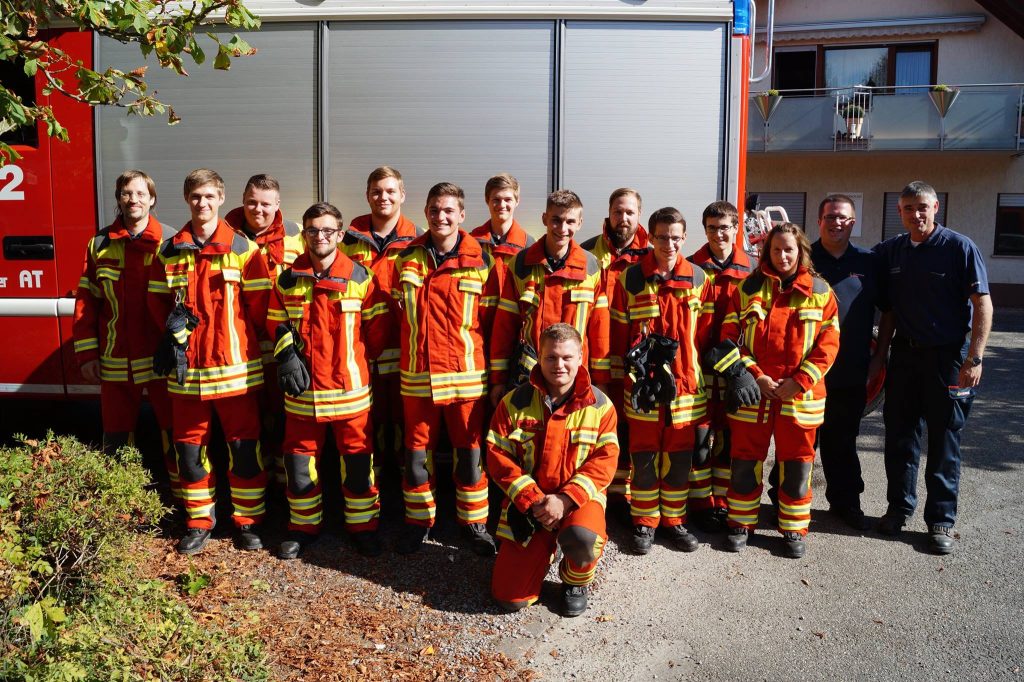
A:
<point x="975" y="361"/>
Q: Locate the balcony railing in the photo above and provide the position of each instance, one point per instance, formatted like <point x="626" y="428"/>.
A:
<point x="905" y="118"/>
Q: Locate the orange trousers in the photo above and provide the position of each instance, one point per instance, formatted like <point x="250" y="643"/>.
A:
<point x="119" y="404"/>
<point x="464" y="421"/>
<point x="519" y="571"/>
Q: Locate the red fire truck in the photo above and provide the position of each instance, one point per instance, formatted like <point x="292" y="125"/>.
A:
<point x="587" y="95"/>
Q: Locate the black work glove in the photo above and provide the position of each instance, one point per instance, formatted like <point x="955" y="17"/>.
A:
<point x="724" y="359"/>
<point x="163" y="359"/>
<point x="181" y="323"/>
<point x="521" y="364"/>
<point x="742" y="391"/>
<point x="292" y="375"/>
<point x="522" y="525"/>
<point x="660" y="359"/>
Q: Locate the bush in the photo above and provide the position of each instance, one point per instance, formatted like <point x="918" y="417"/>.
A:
<point x="72" y="604"/>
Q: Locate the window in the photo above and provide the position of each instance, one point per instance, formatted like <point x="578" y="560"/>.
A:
<point x="891" y="223"/>
<point x="1010" y="225"/>
<point x="894" y="66"/>
<point x="12" y="75"/>
<point x="793" y="202"/>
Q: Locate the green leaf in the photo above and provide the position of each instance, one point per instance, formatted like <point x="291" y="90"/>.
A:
<point x="32" y="618"/>
<point x="223" y="61"/>
<point x="198" y="56"/>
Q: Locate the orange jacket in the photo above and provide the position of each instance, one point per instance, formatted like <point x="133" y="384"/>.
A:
<point x="226" y="284"/>
<point x="360" y="246"/>
<point x="723" y="281"/>
<point x="613" y="264"/>
<point x="532" y="452"/>
<point x="505" y="252"/>
<point x="643" y="304"/>
<point x="446" y="314"/>
<point x="341" y="322"/>
<point x="280" y="244"/>
<point x="533" y="298"/>
<point x="112" y="322"/>
<point x="786" y="334"/>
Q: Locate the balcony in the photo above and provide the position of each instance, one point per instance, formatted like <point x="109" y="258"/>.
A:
<point x="977" y="117"/>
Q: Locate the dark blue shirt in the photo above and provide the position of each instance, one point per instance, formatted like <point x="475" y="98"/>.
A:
<point x="854" y="279"/>
<point x="929" y="286"/>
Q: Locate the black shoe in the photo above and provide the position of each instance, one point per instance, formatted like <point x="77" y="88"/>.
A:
<point x="891" y="524"/>
<point x="367" y="543"/>
<point x="736" y="540"/>
<point x="711" y="520"/>
<point x="411" y="538"/>
<point x="194" y="541"/>
<point x="682" y="539"/>
<point x="941" y="540"/>
<point x="795" y="545"/>
<point x="643" y="538"/>
<point x="853" y="517"/>
<point x="480" y="541"/>
<point x="296" y="542"/>
<point x="574" y="600"/>
<point x="247" y="539"/>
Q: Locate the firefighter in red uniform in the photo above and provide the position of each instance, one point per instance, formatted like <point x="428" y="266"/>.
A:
<point x="780" y="336"/>
<point x="726" y="264"/>
<point x="329" y="320"/>
<point x="552" y="281"/>
<point x="622" y="242"/>
<point x="210" y="287"/>
<point x="552" y="449"/>
<point x="114" y="333"/>
<point x="501" y="236"/>
<point x="444" y="292"/>
<point x="260" y="219"/>
<point x="659" y="327"/>
<point x="374" y="240"/>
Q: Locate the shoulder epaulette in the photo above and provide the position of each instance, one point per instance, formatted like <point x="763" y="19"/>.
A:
<point x="753" y="282"/>
<point x="359" y="273"/>
<point x="291" y="228"/>
<point x="590" y="244"/>
<point x="599" y="397"/>
<point x="529" y="241"/>
<point x="287" y="279"/>
<point x="635" y="279"/>
<point x="240" y="244"/>
<point x="522" y="396"/>
<point x="519" y="266"/>
<point x="593" y="266"/>
<point x="100" y="241"/>
<point x="699" y="276"/>
<point x="407" y="251"/>
<point x="168" y="249"/>
<point x="819" y="286"/>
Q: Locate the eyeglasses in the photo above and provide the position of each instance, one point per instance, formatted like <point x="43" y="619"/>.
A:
<point x="721" y="229"/>
<point x="664" y="239"/>
<point x="325" y="231"/>
<point x="836" y="218"/>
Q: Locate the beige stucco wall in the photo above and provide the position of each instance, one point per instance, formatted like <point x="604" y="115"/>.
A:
<point x="973" y="181"/>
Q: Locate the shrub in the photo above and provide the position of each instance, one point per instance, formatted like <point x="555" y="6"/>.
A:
<point x="72" y="603"/>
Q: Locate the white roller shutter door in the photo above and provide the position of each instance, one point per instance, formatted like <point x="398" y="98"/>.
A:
<point x="454" y="101"/>
<point x="258" y="117"/>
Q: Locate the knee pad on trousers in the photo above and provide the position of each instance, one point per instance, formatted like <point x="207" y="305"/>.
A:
<point x="193" y="466"/>
<point x="577" y="544"/>
<point x="357" y="473"/>
<point x="468" y="469"/>
<point x="796" y="478"/>
<point x="645" y="474"/>
<point x="745" y="478"/>
<point x="701" y="447"/>
<point x="416" y="468"/>
<point x="298" y="469"/>
<point x="245" y="458"/>
<point x="115" y="440"/>
<point x="679" y="464"/>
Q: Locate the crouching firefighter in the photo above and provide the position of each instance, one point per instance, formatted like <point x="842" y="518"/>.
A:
<point x="552" y="449"/>
<point x="780" y="336"/>
<point x="329" y="320"/>
<point x="209" y="287"/>
<point x="657" y="312"/>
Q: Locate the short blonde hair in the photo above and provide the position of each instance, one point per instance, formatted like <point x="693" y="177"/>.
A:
<point x="382" y="173"/>
<point x="499" y="182"/>
<point x="203" y="176"/>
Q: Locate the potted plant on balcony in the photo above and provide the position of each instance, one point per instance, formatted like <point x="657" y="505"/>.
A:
<point x="943" y="97"/>
<point x="767" y="102"/>
<point x="853" y="114"/>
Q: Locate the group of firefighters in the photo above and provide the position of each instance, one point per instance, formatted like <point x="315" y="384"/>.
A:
<point x="389" y="338"/>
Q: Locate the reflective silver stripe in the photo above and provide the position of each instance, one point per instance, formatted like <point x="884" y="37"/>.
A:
<point x="37" y="307"/>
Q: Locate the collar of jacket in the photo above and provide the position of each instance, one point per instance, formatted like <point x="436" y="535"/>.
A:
<point x="516" y="236"/>
<point x="640" y="245"/>
<point x="219" y="242"/>
<point x="151" y="235"/>
<point x="271" y="239"/>
<point x="804" y="282"/>
<point x="582" y="395"/>
<point x="739" y="266"/>
<point x="470" y="253"/>
<point x="337" y="276"/>
<point x="361" y="228"/>
<point x="575" y="267"/>
<point x="681" y="277"/>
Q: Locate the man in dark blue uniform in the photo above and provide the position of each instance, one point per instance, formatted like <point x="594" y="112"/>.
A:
<point x="852" y="272"/>
<point x="936" y="287"/>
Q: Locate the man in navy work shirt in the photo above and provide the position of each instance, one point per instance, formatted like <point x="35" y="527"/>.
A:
<point x="936" y="288"/>
<point x="852" y="272"/>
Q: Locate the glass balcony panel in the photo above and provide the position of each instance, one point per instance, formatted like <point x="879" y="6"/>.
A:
<point x="907" y="122"/>
<point x="799" y="124"/>
<point x="982" y="120"/>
